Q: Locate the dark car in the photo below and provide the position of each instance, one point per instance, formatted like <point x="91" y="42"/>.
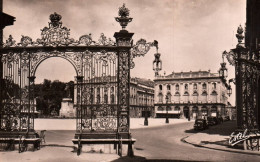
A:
<point x="220" y="120"/>
<point x="226" y="118"/>
<point x="212" y="121"/>
<point x="200" y="124"/>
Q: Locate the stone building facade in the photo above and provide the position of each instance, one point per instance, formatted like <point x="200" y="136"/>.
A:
<point x="190" y="95"/>
<point x="141" y="95"/>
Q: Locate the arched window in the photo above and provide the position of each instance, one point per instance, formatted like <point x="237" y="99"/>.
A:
<point x="160" y="97"/>
<point x="168" y="87"/>
<point x="214" y="85"/>
<point x="112" y="98"/>
<point x="204" y="97"/>
<point x="105" y="98"/>
<point x="186" y="97"/>
<point x="177" y="87"/>
<point x="195" y="86"/>
<point x="160" y="87"/>
<point x="112" y="89"/>
<point x="177" y="97"/>
<point x="169" y="97"/>
<point x="204" y="86"/>
<point x="91" y="97"/>
<point x="214" y="111"/>
<point x="214" y="96"/>
<point x="186" y="87"/>
<point x="195" y="97"/>
<point x="98" y="98"/>
<point x="204" y="111"/>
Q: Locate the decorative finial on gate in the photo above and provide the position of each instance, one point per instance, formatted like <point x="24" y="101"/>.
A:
<point x="239" y="34"/>
<point x="55" y="19"/>
<point x="123" y="19"/>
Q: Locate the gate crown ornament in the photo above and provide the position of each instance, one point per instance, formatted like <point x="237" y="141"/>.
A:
<point x="55" y="19"/>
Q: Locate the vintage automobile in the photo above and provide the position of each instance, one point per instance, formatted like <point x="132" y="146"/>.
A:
<point x="212" y="121"/>
<point x="226" y="118"/>
<point x="200" y="124"/>
<point x="220" y="120"/>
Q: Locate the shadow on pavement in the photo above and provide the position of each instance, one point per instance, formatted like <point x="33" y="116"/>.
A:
<point x="141" y="159"/>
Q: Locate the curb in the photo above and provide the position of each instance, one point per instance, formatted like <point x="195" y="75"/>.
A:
<point x="218" y="149"/>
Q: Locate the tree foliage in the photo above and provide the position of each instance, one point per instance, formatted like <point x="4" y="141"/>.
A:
<point x="49" y="95"/>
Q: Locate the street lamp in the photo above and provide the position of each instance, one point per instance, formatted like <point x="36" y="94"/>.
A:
<point x="229" y="86"/>
<point x="223" y="70"/>
<point x="146" y="117"/>
<point x="157" y="63"/>
<point x="167" y="119"/>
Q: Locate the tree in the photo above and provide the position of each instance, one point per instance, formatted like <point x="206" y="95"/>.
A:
<point x="49" y="95"/>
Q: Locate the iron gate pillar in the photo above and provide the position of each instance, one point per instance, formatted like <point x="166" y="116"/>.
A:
<point x="124" y="44"/>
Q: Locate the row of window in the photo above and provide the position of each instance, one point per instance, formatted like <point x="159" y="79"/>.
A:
<point x="194" y="108"/>
<point x="186" y="86"/>
<point x="195" y="93"/>
<point x="105" y="98"/>
<point x="177" y="96"/>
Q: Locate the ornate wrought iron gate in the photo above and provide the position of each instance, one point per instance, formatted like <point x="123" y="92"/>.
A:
<point x="247" y="68"/>
<point x="102" y="81"/>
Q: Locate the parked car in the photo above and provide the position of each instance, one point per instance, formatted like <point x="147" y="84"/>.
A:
<point x="220" y="120"/>
<point x="212" y="121"/>
<point x="200" y="124"/>
<point x="226" y="118"/>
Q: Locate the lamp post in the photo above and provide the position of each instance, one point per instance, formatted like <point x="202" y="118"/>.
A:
<point x="146" y="117"/>
<point x="223" y="70"/>
<point x="157" y="63"/>
<point x="188" y="110"/>
<point x="167" y="119"/>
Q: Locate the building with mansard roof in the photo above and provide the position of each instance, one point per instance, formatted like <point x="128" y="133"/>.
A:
<point x="190" y="95"/>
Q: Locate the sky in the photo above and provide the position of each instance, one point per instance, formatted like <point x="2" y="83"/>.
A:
<point x="192" y="34"/>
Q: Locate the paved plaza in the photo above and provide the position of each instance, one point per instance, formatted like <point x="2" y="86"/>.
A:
<point x="156" y="142"/>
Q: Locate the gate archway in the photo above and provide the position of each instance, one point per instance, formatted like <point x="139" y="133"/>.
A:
<point x="102" y="81"/>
